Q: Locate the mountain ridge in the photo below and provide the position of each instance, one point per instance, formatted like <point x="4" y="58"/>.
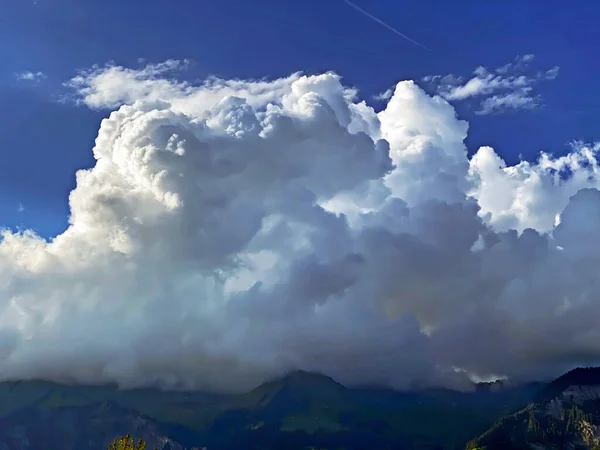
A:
<point x="302" y="410"/>
<point x="296" y="411"/>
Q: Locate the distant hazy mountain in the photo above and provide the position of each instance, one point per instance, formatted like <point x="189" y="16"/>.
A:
<point x="564" y="415"/>
<point x="299" y="411"/>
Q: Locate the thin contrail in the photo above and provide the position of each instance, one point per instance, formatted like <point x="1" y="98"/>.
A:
<point x="381" y="22"/>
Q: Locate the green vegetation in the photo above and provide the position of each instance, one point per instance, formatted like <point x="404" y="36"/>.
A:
<point x="127" y="442"/>
<point x="312" y="422"/>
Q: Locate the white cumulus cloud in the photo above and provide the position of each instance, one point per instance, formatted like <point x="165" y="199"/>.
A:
<point x="233" y="231"/>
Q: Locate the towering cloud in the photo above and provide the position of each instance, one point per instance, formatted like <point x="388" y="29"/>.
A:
<point x="233" y="231"/>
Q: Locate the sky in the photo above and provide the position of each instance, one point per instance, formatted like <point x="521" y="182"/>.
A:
<point x="256" y="187"/>
<point x="268" y="38"/>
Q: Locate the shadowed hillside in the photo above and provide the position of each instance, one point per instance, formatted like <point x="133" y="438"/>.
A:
<point x="301" y="410"/>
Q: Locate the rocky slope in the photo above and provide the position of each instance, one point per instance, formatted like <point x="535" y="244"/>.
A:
<point x="564" y="415"/>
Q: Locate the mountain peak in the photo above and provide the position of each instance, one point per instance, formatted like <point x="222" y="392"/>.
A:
<point x="581" y="376"/>
<point x="302" y="378"/>
<point x="489" y="386"/>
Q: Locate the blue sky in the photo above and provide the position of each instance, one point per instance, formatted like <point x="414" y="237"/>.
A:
<point x="44" y="141"/>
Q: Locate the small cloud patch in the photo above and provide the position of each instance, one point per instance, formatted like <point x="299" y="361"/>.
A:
<point x="508" y="87"/>
<point x="31" y="77"/>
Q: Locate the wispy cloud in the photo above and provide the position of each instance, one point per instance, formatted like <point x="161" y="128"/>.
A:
<point x="20" y="208"/>
<point x="384" y="24"/>
<point x="28" y="76"/>
<point x="509" y="87"/>
<point x="513" y="100"/>
<point x="552" y="73"/>
<point x="384" y="95"/>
